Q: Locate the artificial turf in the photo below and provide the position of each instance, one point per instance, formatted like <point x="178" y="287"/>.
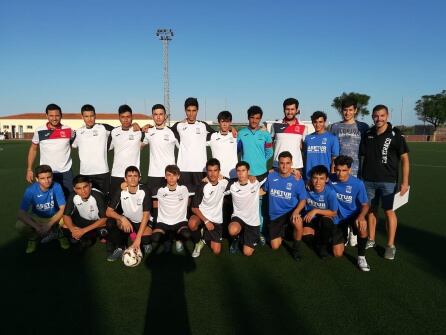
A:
<point x="66" y="292"/>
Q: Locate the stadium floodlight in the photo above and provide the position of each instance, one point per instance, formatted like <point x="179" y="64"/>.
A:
<point x="165" y="35"/>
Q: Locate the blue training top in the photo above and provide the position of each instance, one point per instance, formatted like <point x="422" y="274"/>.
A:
<point x="256" y="149"/>
<point x="319" y="150"/>
<point x="323" y="200"/>
<point x="351" y="195"/>
<point x="284" y="193"/>
<point x="43" y="204"/>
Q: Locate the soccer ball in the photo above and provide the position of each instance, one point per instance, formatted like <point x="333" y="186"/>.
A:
<point x="131" y="258"/>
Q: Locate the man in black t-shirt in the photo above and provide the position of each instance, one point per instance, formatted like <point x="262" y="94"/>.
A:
<point x="383" y="147"/>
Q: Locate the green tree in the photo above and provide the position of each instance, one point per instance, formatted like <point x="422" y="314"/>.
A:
<point x="432" y="109"/>
<point x="362" y="101"/>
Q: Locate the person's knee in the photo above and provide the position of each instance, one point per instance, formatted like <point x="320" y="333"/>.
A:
<point x="216" y="249"/>
<point x="275" y="244"/>
<point x="184" y="233"/>
<point x="338" y="251"/>
<point x="233" y="229"/>
<point x="248" y="251"/>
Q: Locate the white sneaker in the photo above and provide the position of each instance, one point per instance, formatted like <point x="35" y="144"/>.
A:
<point x="179" y="246"/>
<point x="362" y="264"/>
<point x="370" y="244"/>
<point x="352" y="239"/>
<point x="197" y="249"/>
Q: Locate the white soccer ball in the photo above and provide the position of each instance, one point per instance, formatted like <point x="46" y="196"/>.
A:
<point x="131" y="258"/>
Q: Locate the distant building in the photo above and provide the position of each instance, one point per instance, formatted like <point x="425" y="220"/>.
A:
<point x="22" y="126"/>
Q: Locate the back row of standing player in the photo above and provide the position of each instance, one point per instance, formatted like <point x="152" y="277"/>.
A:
<point x="382" y="147"/>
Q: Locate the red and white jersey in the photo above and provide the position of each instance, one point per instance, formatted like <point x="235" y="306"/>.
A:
<point x="55" y="148"/>
<point x="288" y="137"/>
<point x="224" y="148"/>
<point x="126" y="145"/>
<point x="92" y="146"/>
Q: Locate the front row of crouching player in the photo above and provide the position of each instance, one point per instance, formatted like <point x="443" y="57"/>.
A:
<point x="318" y="213"/>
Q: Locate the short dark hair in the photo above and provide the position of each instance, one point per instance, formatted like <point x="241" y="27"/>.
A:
<point x="125" y="109"/>
<point x="343" y="160"/>
<point x="349" y="101"/>
<point x="316" y="115"/>
<point x="242" y="163"/>
<point x="253" y="110"/>
<point x="172" y="169"/>
<point x="53" y="107"/>
<point x="131" y="168"/>
<point x="158" y="106"/>
<point x="88" y="108"/>
<point x="379" y="107"/>
<point x="284" y="154"/>
<point x="213" y="162"/>
<point x="319" y="170"/>
<point x="42" y="169"/>
<point x="290" y="101"/>
<point x="224" y="116"/>
<point x="191" y="102"/>
<point x="80" y="179"/>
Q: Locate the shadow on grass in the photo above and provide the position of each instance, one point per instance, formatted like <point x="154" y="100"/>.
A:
<point x="48" y="291"/>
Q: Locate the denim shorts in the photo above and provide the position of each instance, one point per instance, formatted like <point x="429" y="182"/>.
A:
<point x="380" y="190"/>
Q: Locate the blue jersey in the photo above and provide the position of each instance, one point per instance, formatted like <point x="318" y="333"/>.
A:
<point x="255" y="147"/>
<point x="351" y="195"/>
<point x="284" y="193"/>
<point x="323" y="200"/>
<point x="43" y="204"/>
<point x="319" y="150"/>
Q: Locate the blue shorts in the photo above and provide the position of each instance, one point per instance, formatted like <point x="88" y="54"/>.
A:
<point x="380" y="190"/>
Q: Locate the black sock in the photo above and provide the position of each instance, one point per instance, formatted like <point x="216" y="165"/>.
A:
<point x="195" y="236"/>
<point x="362" y="241"/>
<point x="296" y="244"/>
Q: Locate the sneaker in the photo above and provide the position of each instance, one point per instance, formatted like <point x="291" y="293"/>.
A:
<point x="53" y="234"/>
<point x="64" y="243"/>
<point x="115" y="255"/>
<point x="233" y="249"/>
<point x="31" y="246"/>
<point x="197" y="250"/>
<point x="179" y="246"/>
<point x="147" y="248"/>
<point x="390" y="252"/>
<point x="262" y="240"/>
<point x="352" y="239"/>
<point x="362" y="264"/>
<point x="370" y="244"/>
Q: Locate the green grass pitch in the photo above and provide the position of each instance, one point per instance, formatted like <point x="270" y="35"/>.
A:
<point x="64" y="292"/>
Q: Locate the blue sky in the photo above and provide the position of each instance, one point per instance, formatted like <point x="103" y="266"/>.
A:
<point x="228" y="54"/>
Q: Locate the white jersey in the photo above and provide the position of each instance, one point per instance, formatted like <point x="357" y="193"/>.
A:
<point x="209" y="199"/>
<point x="224" y="148"/>
<point x="245" y="199"/>
<point x="92" y="146"/>
<point x="192" y="155"/>
<point x="288" y="137"/>
<point x="133" y="204"/>
<point x="92" y="209"/>
<point x="162" y="142"/>
<point x="172" y="205"/>
<point x="55" y="147"/>
<point x="127" y="147"/>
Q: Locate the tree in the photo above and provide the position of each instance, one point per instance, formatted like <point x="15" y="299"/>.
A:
<point x="362" y="101"/>
<point x="432" y="109"/>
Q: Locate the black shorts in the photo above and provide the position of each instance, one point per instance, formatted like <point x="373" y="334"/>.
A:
<point x="276" y="227"/>
<point x="249" y="234"/>
<point x="170" y="228"/>
<point x="192" y="180"/>
<point x="137" y="225"/>
<point x="115" y="185"/>
<point x="214" y="235"/>
<point x="350" y="222"/>
<point x="155" y="183"/>
<point x="101" y="182"/>
<point x="336" y="233"/>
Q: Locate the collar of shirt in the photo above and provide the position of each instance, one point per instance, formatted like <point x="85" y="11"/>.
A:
<point x="59" y="126"/>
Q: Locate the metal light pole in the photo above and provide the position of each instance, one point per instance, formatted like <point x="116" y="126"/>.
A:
<point x="165" y="35"/>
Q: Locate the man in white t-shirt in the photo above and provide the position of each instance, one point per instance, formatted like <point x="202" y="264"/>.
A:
<point x="92" y="143"/>
<point x="126" y="144"/>
<point x="54" y="141"/>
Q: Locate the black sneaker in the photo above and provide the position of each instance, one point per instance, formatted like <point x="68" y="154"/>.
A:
<point x="296" y="252"/>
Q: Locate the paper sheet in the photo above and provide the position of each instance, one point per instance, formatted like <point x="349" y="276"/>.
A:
<point x="400" y="200"/>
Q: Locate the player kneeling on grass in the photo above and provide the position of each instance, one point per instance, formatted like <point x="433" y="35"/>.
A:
<point x="353" y="205"/>
<point x="47" y="203"/>
<point x="84" y="214"/>
<point x="133" y="220"/>
<point x="207" y="207"/>
<point x="286" y="199"/>
<point x="320" y="215"/>
<point x="245" y="219"/>
<point x="173" y="200"/>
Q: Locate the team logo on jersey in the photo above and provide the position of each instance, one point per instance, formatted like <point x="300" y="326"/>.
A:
<point x="139" y="202"/>
<point x="125" y="198"/>
<point x="197" y="131"/>
<point x="348" y="189"/>
<point x="321" y="197"/>
<point x="131" y="137"/>
<point x="253" y="190"/>
<point x="289" y="186"/>
<point x="180" y="198"/>
<point x="91" y="208"/>
<point x="211" y="192"/>
<point x="117" y="134"/>
<point x="62" y="134"/>
<point x="95" y="133"/>
<point x="166" y="137"/>
<point x="231" y="140"/>
<point x="324" y="140"/>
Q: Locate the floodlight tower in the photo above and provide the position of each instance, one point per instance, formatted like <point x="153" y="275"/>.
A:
<point x="165" y="35"/>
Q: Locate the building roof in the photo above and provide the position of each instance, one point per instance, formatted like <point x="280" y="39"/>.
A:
<point x="73" y="116"/>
